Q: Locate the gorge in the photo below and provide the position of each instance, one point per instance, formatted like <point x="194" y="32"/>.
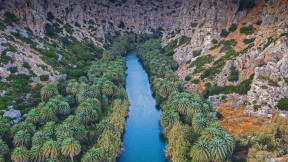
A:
<point x="218" y="64"/>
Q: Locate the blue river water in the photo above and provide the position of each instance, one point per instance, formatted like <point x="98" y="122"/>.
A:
<point x="142" y="138"/>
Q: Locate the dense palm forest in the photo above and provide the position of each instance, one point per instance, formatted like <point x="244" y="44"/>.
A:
<point x="188" y="123"/>
<point x="78" y="120"/>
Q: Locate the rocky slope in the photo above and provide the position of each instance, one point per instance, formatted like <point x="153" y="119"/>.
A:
<point x="231" y="40"/>
<point x="261" y="51"/>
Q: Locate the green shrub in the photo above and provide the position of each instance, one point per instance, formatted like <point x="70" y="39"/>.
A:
<point x="259" y="22"/>
<point x="194" y="25"/>
<point x="2" y="25"/>
<point x="197" y="53"/>
<point x="13" y="69"/>
<point x="201" y="61"/>
<point x="234" y="75"/>
<point x="50" y="53"/>
<point x="77" y="24"/>
<point x="52" y="30"/>
<point x="26" y="65"/>
<point x="242" y="88"/>
<point x="248" y="41"/>
<point x="44" y="78"/>
<point x="10" y="18"/>
<point x="50" y="16"/>
<point x="247" y="30"/>
<point x="233" y="28"/>
<point x="219" y="115"/>
<point x="68" y="28"/>
<point x="227" y="45"/>
<point x="4" y="59"/>
<point x="224" y="33"/>
<point x="283" y="104"/>
<point x="121" y="25"/>
<point x="195" y="81"/>
<point x="184" y="40"/>
<point x="247" y="4"/>
<point x="270" y="81"/>
<point x="269" y="41"/>
<point x="188" y="77"/>
<point x="214" y="41"/>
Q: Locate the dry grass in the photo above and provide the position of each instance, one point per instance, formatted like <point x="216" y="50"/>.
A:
<point x="235" y="121"/>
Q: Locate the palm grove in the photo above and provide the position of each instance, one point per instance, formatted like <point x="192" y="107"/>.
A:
<point x="189" y="125"/>
<point x="79" y="120"/>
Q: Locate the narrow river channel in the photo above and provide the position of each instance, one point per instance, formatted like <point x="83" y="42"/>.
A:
<point x="142" y="141"/>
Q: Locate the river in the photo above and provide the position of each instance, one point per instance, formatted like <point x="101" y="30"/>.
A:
<point x="142" y="140"/>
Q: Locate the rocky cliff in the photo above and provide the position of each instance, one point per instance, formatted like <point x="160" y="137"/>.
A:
<point x="231" y="40"/>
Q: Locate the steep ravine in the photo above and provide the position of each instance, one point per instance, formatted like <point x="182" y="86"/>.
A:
<point x="233" y="52"/>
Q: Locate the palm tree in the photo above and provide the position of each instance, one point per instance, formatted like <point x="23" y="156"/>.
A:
<point x="36" y="153"/>
<point x="94" y="154"/>
<point x="95" y="91"/>
<point x="50" y="149"/>
<point x="3" y="148"/>
<point x="53" y="104"/>
<point x="72" y="88"/>
<point x="63" y="108"/>
<point x="63" y="129"/>
<point x="218" y="149"/>
<point x="95" y="103"/>
<point x="27" y="127"/>
<point x="48" y="92"/>
<point x="168" y="87"/>
<point x="70" y="148"/>
<point x="48" y="114"/>
<point x="199" y="123"/>
<point x="103" y="126"/>
<point x="210" y="133"/>
<point x="34" y="116"/>
<point x="229" y="141"/>
<point x="87" y="113"/>
<point x="20" y="154"/>
<point x="169" y="118"/>
<point x="171" y="76"/>
<point x="108" y="88"/>
<point x="79" y="132"/>
<point x="40" y="137"/>
<point x="72" y="120"/>
<point x="83" y="87"/>
<point x="22" y="138"/>
<point x="49" y="128"/>
<point x="83" y="79"/>
<point x="82" y="96"/>
<point x="200" y="152"/>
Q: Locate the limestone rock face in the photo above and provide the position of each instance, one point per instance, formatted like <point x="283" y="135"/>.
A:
<point x="203" y="21"/>
<point x="270" y="81"/>
<point x="103" y="15"/>
<point x="265" y="57"/>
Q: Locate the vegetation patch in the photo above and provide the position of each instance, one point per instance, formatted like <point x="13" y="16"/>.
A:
<point x="224" y="33"/>
<point x="121" y="25"/>
<point x="234" y="74"/>
<point x="242" y="88"/>
<point x="270" y="81"/>
<point x="248" y="41"/>
<point x="247" y="4"/>
<point x="197" y="53"/>
<point x="233" y="28"/>
<point x="201" y="61"/>
<point x="10" y="18"/>
<point x="247" y="30"/>
<point x="44" y="78"/>
<point x="283" y="104"/>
